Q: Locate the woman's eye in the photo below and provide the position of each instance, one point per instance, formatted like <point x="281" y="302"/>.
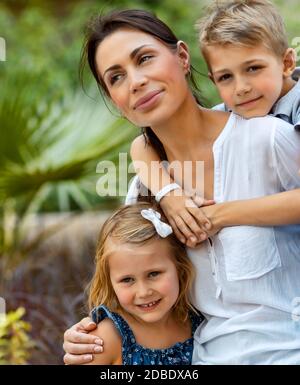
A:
<point x="224" y="77"/>
<point x="145" y="58"/>
<point x="113" y="79"/>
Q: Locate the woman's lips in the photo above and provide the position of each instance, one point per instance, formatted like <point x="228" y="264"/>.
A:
<point x="147" y="101"/>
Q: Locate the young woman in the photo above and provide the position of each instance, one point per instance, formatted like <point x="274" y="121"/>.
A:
<point x="247" y="277"/>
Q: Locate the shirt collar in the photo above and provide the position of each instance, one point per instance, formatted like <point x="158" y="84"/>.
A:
<point x="284" y="106"/>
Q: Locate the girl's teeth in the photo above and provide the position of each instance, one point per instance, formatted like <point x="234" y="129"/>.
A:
<point x="149" y="304"/>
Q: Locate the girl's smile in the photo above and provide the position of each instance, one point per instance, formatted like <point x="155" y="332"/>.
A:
<point x="144" y="279"/>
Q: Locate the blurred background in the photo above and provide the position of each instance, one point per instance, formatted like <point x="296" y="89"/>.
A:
<point x="52" y="136"/>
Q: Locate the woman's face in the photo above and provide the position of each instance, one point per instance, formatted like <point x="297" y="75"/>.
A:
<point x="145" y="79"/>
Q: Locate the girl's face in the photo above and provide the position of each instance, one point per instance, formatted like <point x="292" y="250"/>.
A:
<point x="145" y="79"/>
<point x="144" y="279"/>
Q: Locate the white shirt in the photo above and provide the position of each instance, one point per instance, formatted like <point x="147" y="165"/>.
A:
<point x="248" y="279"/>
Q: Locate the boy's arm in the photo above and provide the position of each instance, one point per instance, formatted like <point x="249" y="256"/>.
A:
<point x="273" y="210"/>
<point x="112" y="354"/>
<point x="184" y="215"/>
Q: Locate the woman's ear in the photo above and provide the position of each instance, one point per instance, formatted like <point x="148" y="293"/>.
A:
<point x="289" y="62"/>
<point x="184" y="56"/>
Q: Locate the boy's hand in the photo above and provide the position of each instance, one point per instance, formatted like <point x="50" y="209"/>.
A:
<point x="188" y="221"/>
<point x="79" y="345"/>
<point x="213" y="212"/>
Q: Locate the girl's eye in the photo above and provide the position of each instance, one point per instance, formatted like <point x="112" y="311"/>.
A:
<point x="127" y="280"/>
<point x="224" y="77"/>
<point x="154" y="274"/>
<point x="145" y="58"/>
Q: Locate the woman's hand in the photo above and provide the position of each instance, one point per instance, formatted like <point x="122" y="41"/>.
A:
<point x="188" y="221"/>
<point x="79" y="345"/>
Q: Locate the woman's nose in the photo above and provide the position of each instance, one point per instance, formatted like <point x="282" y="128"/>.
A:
<point x="137" y="81"/>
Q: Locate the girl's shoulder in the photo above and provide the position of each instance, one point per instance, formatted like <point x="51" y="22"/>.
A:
<point x="112" y="342"/>
<point x="107" y="329"/>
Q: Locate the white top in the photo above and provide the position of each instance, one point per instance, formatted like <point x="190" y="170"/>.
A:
<point x="248" y="278"/>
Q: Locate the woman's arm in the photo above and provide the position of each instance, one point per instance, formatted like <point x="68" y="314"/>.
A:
<point x="79" y="345"/>
<point x="182" y="211"/>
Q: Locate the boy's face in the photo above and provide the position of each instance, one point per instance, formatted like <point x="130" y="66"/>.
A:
<point x="249" y="79"/>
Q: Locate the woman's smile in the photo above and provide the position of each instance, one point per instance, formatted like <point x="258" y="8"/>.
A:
<point x="148" y="101"/>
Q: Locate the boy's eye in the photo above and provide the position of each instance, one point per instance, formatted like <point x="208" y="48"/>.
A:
<point x="254" y="68"/>
<point x="224" y="77"/>
<point x="154" y="274"/>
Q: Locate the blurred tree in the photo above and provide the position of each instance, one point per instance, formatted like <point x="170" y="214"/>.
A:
<point x="49" y="150"/>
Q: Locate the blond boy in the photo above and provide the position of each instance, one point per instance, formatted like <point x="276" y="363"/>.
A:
<point x="246" y="49"/>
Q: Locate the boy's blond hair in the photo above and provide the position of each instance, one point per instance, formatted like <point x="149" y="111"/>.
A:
<point x="245" y="23"/>
<point x="127" y="225"/>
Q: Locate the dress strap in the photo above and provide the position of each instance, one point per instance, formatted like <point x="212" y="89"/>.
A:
<point x="101" y="312"/>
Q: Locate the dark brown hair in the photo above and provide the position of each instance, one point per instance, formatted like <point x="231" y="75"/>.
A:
<point x="102" y="26"/>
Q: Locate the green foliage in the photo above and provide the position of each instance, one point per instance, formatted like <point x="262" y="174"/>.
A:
<point x="49" y="150"/>
<point x="15" y="343"/>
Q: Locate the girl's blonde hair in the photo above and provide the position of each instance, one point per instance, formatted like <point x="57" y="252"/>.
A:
<point x="127" y="225"/>
<point x="243" y="22"/>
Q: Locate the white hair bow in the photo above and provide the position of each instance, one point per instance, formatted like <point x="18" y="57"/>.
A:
<point x="163" y="229"/>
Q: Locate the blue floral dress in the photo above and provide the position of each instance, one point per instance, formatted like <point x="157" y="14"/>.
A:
<point x="135" y="354"/>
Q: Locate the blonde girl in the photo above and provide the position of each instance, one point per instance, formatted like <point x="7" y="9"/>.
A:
<point x="140" y="291"/>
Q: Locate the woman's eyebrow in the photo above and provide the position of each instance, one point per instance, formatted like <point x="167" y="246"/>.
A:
<point x="136" y="50"/>
<point x="132" y="56"/>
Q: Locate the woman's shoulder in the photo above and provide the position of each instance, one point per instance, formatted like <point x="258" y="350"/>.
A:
<point x="112" y="343"/>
